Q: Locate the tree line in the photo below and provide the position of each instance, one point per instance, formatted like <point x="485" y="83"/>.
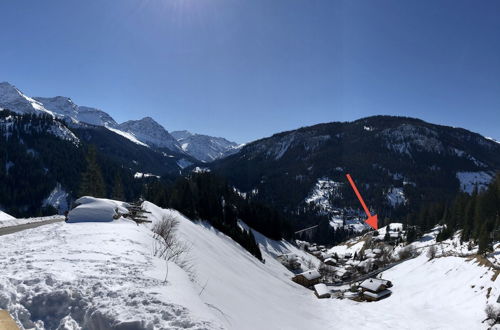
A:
<point x="477" y="216"/>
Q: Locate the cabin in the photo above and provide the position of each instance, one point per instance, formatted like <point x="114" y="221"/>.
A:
<point x="321" y="291"/>
<point x="348" y="255"/>
<point x="317" y="254"/>
<point x="374" y="289"/>
<point x="330" y="262"/>
<point x="343" y="274"/>
<point x="307" y="278"/>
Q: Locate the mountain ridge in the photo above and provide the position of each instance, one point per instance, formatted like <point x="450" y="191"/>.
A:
<point x="145" y="130"/>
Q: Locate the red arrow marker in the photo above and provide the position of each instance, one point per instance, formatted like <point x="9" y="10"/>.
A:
<point x="372" y="220"/>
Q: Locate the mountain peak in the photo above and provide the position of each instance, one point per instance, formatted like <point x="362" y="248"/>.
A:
<point x="13" y="99"/>
<point x="150" y="132"/>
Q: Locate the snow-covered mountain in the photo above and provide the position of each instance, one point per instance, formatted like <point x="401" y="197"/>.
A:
<point x="400" y="163"/>
<point x="13" y="99"/>
<point x="68" y="110"/>
<point x="150" y="132"/>
<point x="203" y="147"/>
<point x="145" y="131"/>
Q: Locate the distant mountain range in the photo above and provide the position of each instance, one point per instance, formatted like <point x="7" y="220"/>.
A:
<point x="397" y="162"/>
<point x="205" y="148"/>
<point x="146" y="130"/>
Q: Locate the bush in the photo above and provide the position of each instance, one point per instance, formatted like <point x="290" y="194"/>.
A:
<point x="406" y="252"/>
<point x="492" y="315"/>
<point x="167" y="245"/>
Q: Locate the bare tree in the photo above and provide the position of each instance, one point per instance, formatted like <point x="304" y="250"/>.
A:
<point x="492" y="315"/>
<point x="167" y="246"/>
<point x="406" y="252"/>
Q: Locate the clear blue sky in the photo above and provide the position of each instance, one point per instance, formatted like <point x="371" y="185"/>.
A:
<point x="245" y="69"/>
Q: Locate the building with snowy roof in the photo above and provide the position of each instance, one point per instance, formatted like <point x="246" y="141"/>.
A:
<point x="321" y="291"/>
<point x="307" y="278"/>
<point x="374" y="289"/>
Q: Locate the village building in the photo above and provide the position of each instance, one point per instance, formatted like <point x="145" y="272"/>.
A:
<point x="330" y="262"/>
<point x="374" y="289"/>
<point x="308" y="278"/>
<point x="321" y="291"/>
<point x="343" y="274"/>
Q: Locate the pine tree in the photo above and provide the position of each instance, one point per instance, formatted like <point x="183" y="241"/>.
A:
<point x="92" y="182"/>
<point x="484" y="242"/>
<point x="118" y="192"/>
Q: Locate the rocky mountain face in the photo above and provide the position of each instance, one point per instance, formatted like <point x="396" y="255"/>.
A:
<point x="397" y="162"/>
<point x="150" y="132"/>
<point x="203" y="147"/>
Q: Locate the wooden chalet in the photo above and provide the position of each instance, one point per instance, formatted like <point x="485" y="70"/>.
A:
<point x="374" y="289"/>
<point x="308" y="278"/>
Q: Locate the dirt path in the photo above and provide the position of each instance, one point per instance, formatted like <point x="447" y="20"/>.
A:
<point x="15" y="229"/>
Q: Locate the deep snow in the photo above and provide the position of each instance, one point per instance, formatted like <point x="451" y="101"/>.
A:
<point x="104" y="274"/>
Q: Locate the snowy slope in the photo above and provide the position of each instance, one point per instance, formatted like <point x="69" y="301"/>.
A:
<point x="446" y="293"/>
<point x="13" y="99"/>
<point x="243" y="292"/>
<point x="127" y="135"/>
<point x="103" y="275"/>
<point x="4" y="216"/>
<point x="99" y="275"/>
<point x="471" y="180"/>
<point x="65" y="108"/>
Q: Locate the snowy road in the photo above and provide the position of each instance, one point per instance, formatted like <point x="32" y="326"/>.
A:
<point x="15" y="229"/>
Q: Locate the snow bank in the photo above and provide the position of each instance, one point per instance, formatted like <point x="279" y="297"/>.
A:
<point x="23" y="221"/>
<point x="96" y="276"/>
<point x="5" y="216"/>
<point x="91" y="209"/>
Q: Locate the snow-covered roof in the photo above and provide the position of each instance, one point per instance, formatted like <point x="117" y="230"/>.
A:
<point x="332" y="260"/>
<point x="311" y="274"/>
<point x="373" y="284"/>
<point x="377" y="295"/>
<point x="321" y="289"/>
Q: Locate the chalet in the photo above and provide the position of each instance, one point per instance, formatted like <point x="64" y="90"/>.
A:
<point x="317" y="254"/>
<point x="321" y="291"/>
<point x="374" y="289"/>
<point x="348" y="255"/>
<point x="343" y="274"/>
<point x="312" y="248"/>
<point x="308" y="278"/>
<point x="330" y="262"/>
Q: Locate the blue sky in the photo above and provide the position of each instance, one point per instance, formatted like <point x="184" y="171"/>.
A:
<point x="248" y="69"/>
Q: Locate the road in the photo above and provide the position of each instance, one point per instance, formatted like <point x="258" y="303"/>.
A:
<point x="14" y="229"/>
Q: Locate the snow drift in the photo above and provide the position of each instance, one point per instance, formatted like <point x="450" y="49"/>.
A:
<point x="91" y="209"/>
